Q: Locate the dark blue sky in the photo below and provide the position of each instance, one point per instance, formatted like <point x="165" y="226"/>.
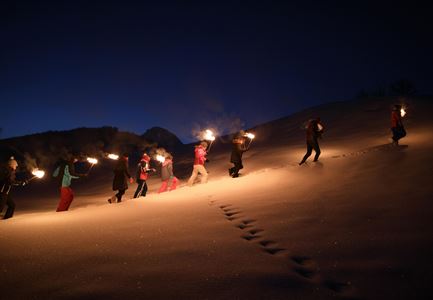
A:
<point x="138" y="64"/>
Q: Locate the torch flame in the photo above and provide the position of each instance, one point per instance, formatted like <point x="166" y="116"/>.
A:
<point x="92" y="160"/>
<point x="250" y="136"/>
<point x="113" y="156"/>
<point x="160" y="158"/>
<point x="402" y="112"/>
<point x="209" y="135"/>
<point x="38" y="173"/>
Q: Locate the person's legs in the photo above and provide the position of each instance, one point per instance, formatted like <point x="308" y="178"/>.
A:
<point x="144" y="190"/>
<point x="139" y="189"/>
<point x="2" y="201"/>
<point x="163" y="187"/>
<point x="202" y="170"/>
<point x="119" y="195"/>
<point x="236" y="168"/>
<point x="66" y="197"/>
<point x="173" y="185"/>
<point x="307" y="155"/>
<point x="317" y="150"/>
<point x="11" y="207"/>
<point x="193" y="176"/>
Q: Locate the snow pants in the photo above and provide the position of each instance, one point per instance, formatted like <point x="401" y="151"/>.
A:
<point x="164" y="185"/>
<point x="198" y="169"/>
<point x="66" y="197"/>
<point x="141" y="189"/>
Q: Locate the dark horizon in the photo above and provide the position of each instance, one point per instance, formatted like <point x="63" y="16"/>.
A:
<point x="185" y="67"/>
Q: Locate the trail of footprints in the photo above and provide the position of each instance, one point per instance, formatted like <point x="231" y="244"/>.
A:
<point x="304" y="266"/>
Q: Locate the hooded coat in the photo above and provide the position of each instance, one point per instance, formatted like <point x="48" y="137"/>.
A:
<point x="121" y="175"/>
<point x="237" y="150"/>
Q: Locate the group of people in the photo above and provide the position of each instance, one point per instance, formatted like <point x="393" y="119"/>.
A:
<point x="65" y="172"/>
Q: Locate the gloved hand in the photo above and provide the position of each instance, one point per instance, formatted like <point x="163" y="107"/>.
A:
<point x="207" y="160"/>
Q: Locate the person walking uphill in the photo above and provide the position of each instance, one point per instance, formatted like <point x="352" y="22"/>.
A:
<point x="238" y="148"/>
<point x="65" y="172"/>
<point x="397" y="127"/>
<point x="120" y="181"/>
<point x="7" y="181"/>
<point x="199" y="160"/>
<point x="143" y="171"/>
<point x="167" y="175"/>
<point x="314" y="131"/>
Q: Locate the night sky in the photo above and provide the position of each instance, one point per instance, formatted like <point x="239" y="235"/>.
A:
<point x="186" y="65"/>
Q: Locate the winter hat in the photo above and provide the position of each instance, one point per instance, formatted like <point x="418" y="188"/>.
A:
<point x="145" y="157"/>
<point x="12" y="163"/>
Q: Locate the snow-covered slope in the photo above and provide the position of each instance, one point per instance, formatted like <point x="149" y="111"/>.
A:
<point x="357" y="224"/>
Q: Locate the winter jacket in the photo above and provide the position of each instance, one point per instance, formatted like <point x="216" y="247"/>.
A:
<point x="313" y="132"/>
<point x="237" y="150"/>
<point x="65" y="172"/>
<point x="8" y="180"/>
<point x="396" y="119"/>
<point x="121" y="175"/>
<point x="199" y="155"/>
<point x="143" y="170"/>
<point x="167" y="170"/>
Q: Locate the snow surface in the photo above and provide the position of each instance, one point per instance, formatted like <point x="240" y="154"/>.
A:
<point x="357" y="224"/>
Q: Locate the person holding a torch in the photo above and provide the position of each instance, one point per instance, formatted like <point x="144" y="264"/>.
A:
<point x="7" y="181"/>
<point x="121" y="177"/>
<point x="239" y="146"/>
<point x="65" y="172"/>
<point x="199" y="160"/>
<point x="143" y="171"/>
<point x="397" y="127"/>
<point x="167" y="173"/>
<point x="314" y="130"/>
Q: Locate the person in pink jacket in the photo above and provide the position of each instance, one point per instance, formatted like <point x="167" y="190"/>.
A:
<point x="199" y="160"/>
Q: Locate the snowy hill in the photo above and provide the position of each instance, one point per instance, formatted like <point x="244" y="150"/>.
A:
<point x="357" y="224"/>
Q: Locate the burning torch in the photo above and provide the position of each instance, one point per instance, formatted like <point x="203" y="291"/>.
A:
<point x="209" y="136"/>
<point x="251" y="137"/>
<point x="402" y="112"/>
<point x="113" y="156"/>
<point x="160" y="158"/>
<point x="92" y="161"/>
<point x="37" y="174"/>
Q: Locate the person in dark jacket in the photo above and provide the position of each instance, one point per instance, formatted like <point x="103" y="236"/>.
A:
<point x="238" y="148"/>
<point x="65" y="172"/>
<point x="120" y="181"/>
<point x="167" y="175"/>
<point x="7" y="181"/>
<point x="143" y="171"/>
<point x="397" y="127"/>
<point x="314" y="131"/>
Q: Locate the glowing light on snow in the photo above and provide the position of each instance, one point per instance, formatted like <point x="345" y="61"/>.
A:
<point x="92" y="160"/>
<point x="250" y="135"/>
<point x="160" y="158"/>
<point x="113" y="156"/>
<point x="402" y="112"/>
<point x="38" y="173"/>
<point x="208" y="135"/>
